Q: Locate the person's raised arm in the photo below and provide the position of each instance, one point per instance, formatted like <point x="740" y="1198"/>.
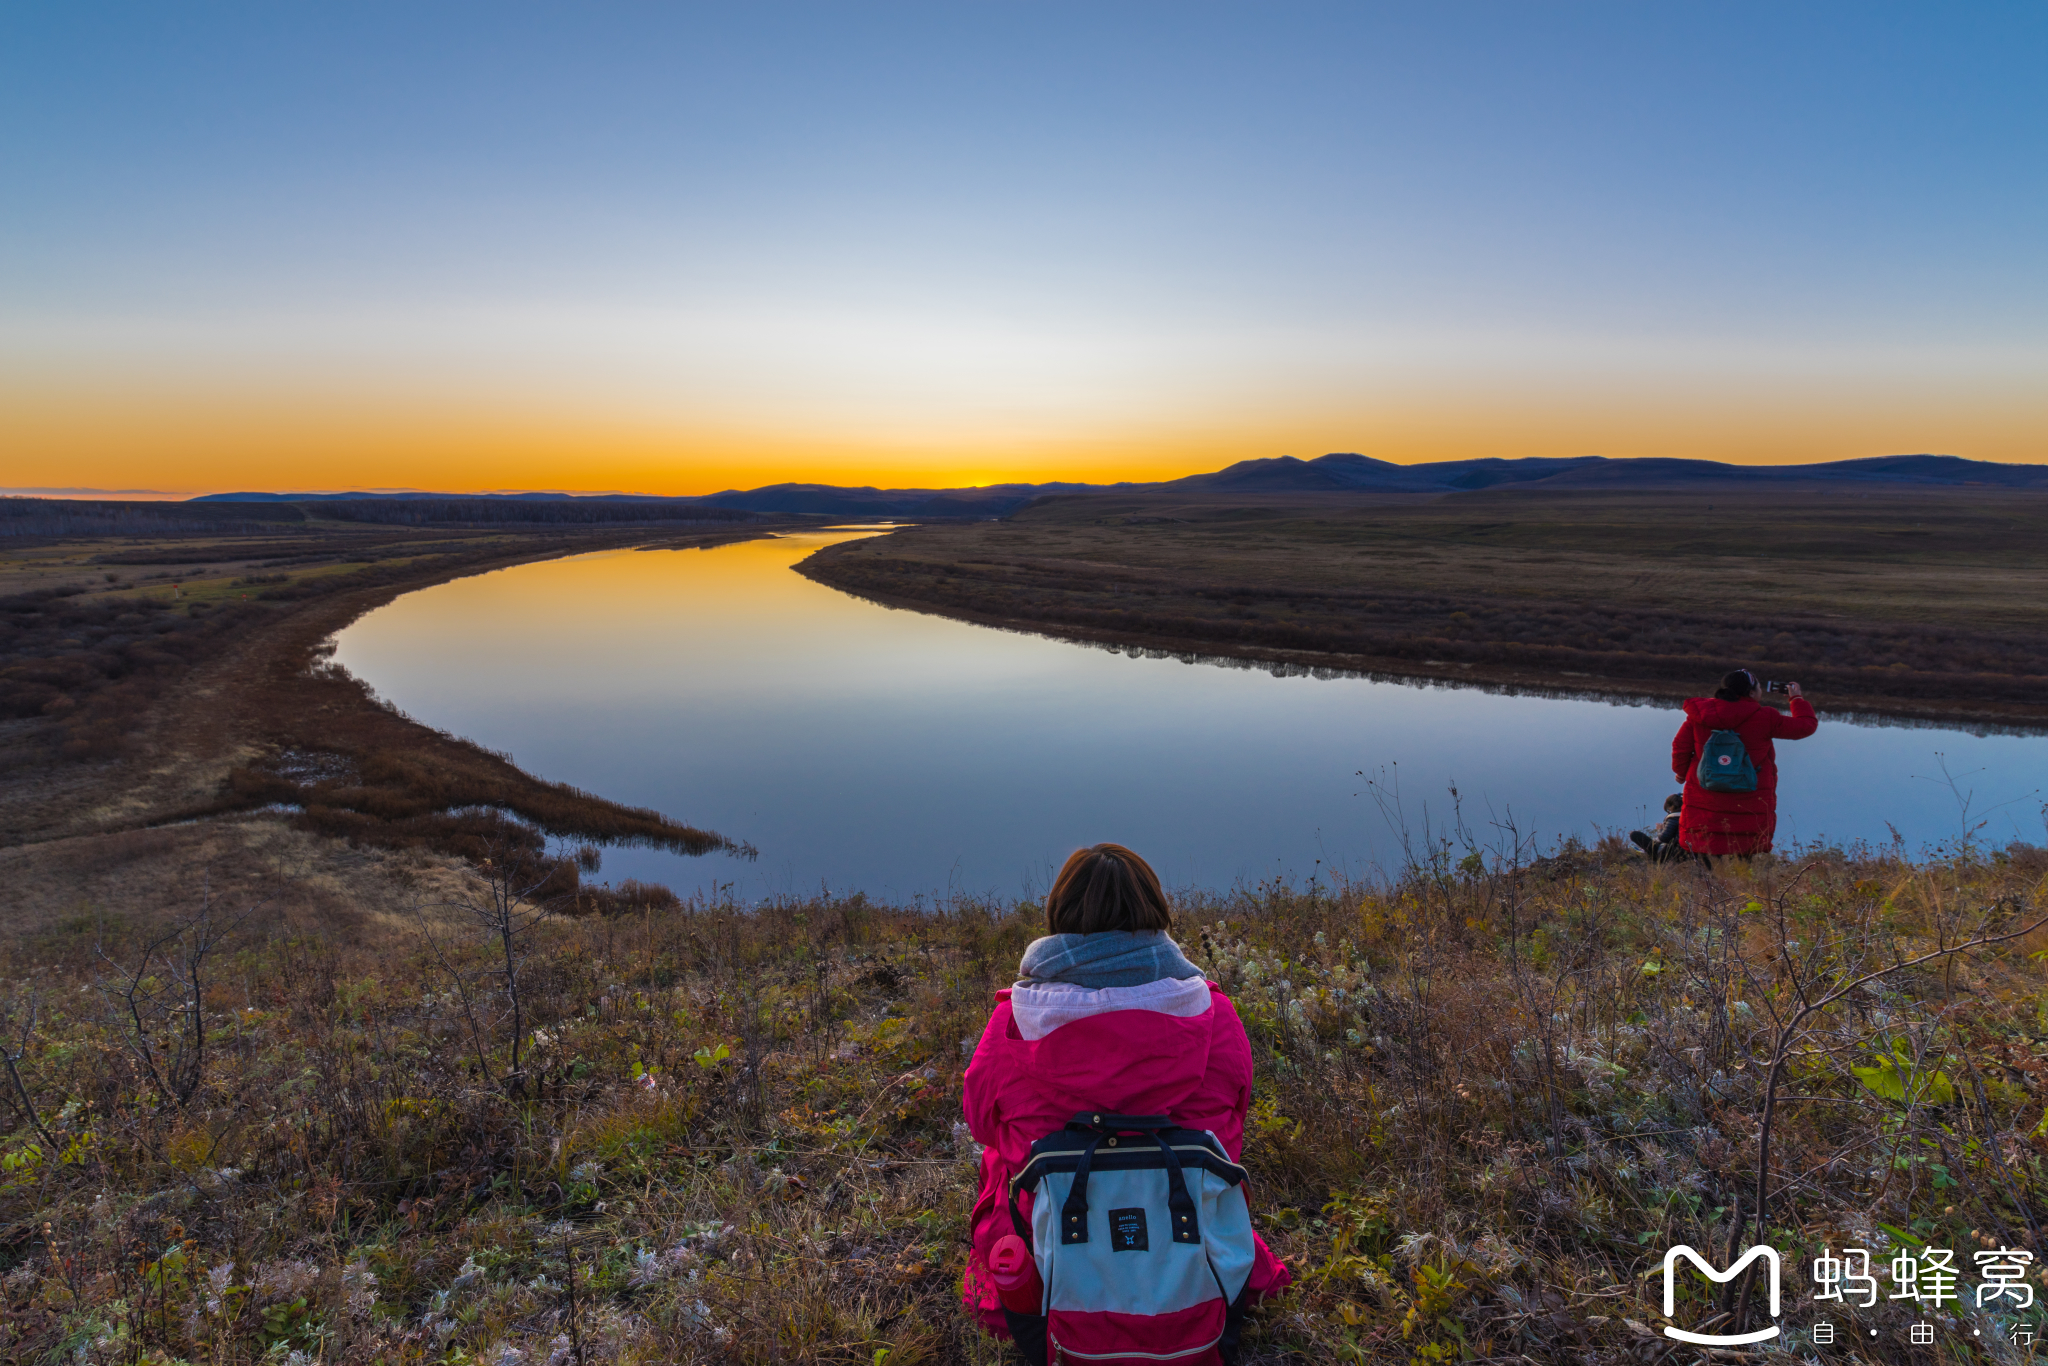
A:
<point x="1801" y="723"/>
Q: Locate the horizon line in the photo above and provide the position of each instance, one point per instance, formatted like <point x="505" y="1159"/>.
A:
<point x="386" y="491"/>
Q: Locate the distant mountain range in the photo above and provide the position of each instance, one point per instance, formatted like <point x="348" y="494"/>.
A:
<point x="1338" y="473"/>
<point x="1334" y="473"/>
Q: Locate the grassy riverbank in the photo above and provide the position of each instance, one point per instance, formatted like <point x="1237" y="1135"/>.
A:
<point x="1911" y="602"/>
<point x="156" y="684"/>
<point x="1488" y="1096"/>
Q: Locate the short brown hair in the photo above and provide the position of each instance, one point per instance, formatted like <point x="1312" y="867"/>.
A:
<point x="1106" y="887"/>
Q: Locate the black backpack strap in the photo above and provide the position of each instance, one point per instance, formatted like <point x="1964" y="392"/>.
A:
<point x="1074" y="1214"/>
<point x="1187" y="1227"/>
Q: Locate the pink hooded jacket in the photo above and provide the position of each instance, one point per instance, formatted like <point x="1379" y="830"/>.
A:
<point x="1170" y="1047"/>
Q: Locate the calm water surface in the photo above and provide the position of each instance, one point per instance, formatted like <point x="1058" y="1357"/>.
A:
<point x="863" y="748"/>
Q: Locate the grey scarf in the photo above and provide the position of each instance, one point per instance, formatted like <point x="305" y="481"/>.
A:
<point x="1113" y="958"/>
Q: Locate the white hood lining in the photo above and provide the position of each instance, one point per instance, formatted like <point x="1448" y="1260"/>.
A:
<point x="1041" y="1007"/>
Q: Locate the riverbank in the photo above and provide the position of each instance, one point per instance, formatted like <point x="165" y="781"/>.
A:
<point x="171" y="711"/>
<point x="1488" y="1096"/>
<point x="1909" y="604"/>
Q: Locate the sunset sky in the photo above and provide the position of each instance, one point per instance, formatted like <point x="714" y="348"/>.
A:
<point x="673" y="249"/>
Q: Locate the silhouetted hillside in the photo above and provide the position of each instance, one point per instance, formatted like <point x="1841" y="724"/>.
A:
<point x="1337" y="475"/>
<point x="1346" y="472"/>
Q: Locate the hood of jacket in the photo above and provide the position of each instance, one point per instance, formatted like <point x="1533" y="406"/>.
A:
<point x="1719" y="715"/>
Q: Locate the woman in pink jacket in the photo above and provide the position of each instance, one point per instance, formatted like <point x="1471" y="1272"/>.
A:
<point x="1106" y="1015"/>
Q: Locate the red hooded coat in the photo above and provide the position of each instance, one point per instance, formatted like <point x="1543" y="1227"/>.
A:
<point x="1195" y="1068"/>
<point x="1734" y="822"/>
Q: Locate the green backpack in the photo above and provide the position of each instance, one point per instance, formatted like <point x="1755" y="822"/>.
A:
<point x="1725" y="765"/>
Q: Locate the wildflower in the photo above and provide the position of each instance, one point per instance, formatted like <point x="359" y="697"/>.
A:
<point x="359" y="1284"/>
<point x="217" y="1285"/>
<point x="647" y="1269"/>
<point x="283" y="1280"/>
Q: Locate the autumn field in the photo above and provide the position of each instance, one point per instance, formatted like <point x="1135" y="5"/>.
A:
<point x="470" y="1124"/>
<point x="322" y="1039"/>
<point x="1899" y="600"/>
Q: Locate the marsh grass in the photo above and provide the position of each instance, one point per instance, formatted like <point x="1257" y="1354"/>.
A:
<point x="1908" y="602"/>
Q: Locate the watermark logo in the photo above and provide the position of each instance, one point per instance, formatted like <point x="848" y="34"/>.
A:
<point x="1769" y="1256"/>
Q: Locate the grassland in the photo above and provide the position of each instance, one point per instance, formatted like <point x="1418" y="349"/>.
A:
<point x="1913" y="602"/>
<point x="1489" y="1094"/>
<point x="302" y="1061"/>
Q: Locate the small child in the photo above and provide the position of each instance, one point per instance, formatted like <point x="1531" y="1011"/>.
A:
<point x="1660" y="841"/>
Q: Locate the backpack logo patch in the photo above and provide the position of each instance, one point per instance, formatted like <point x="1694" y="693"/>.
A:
<point x="1127" y="1231"/>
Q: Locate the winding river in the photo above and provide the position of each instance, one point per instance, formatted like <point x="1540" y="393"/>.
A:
<point x="904" y="755"/>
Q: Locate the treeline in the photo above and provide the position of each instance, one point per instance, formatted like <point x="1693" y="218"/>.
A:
<point x="523" y="512"/>
<point x="1614" y="641"/>
<point x="83" y="517"/>
<point x="57" y="517"/>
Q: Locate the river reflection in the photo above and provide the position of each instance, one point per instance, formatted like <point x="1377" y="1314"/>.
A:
<point x="863" y="748"/>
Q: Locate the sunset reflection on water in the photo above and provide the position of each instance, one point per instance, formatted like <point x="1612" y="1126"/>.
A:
<point x="866" y="748"/>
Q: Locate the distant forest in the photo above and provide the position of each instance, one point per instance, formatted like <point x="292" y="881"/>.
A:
<point x="91" y="517"/>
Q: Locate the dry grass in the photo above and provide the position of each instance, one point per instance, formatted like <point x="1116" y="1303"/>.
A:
<point x="191" y="681"/>
<point x="1914" y="602"/>
<point x="1488" y="1096"/>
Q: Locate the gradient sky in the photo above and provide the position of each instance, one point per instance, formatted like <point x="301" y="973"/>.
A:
<point x="674" y="249"/>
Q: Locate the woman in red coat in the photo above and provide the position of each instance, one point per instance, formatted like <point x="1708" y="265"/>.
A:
<point x="1737" y="823"/>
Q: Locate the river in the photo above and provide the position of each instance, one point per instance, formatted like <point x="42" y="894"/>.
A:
<point x="864" y="748"/>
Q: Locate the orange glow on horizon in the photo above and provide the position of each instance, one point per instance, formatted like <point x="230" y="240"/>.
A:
<point x="186" y="445"/>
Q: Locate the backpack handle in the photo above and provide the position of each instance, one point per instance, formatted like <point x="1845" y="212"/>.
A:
<point x="1187" y="1226"/>
<point x="1074" y="1213"/>
<point x="1114" y="1124"/>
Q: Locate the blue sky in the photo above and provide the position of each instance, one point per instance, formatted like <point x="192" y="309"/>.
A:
<point x="689" y="244"/>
